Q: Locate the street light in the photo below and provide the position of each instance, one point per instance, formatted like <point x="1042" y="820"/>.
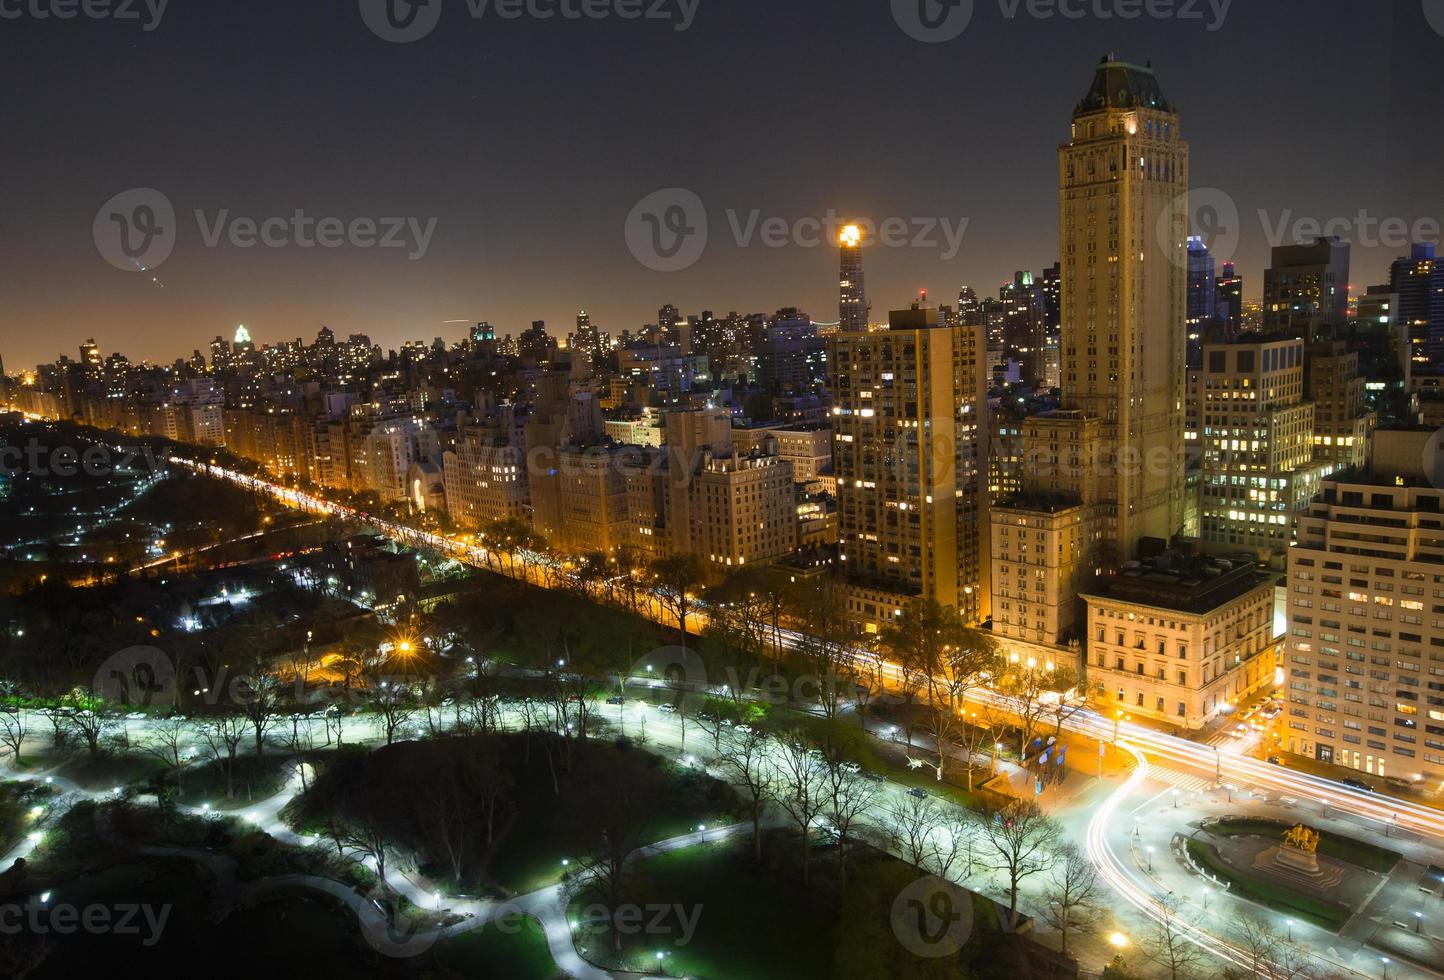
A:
<point x="1118" y="941"/>
<point x="1418" y="921"/>
<point x="1290" y="924"/>
<point x="1205" y="898"/>
<point x="1150" y="858"/>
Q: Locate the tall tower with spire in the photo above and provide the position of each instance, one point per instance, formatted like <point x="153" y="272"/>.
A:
<point x="1103" y="479"/>
<point x="1123" y="227"/>
<point x="852" y="312"/>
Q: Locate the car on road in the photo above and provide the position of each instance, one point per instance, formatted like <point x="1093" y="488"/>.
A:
<point x="1275" y="760"/>
<point x="707" y="716"/>
<point x="1240" y="730"/>
<point x="137" y="716"/>
<point x="851" y="767"/>
<point x="1357" y="784"/>
<point x="618" y="702"/>
<point x="742" y="729"/>
<point x="667" y="708"/>
<point x="921" y="794"/>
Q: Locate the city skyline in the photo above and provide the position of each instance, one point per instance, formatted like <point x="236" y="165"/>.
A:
<point x="520" y="254"/>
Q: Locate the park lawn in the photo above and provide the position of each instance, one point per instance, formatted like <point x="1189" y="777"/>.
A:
<point x="1325" y="915"/>
<point x="531" y="853"/>
<point x="255" y="780"/>
<point x="16" y="800"/>
<point x="788" y="929"/>
<point x="119" y="769"/>
<point x="1371" y="857"/>
<point x="515" y="948"/>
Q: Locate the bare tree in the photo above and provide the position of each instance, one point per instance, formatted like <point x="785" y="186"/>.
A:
<point x="394" y="705"/>
<point x="1172" y="945"/>
<point x="948" y="660"/>
<point x="745" y="760"/>
<point x="799" y="787"/>
<point x="1073" y="892"/>
<point x="1023" y="838"/>
<point x="12" y="732"/>
<point x="91" y="725"/>
<point x="223" y="735"/>
<point x="677" y="580"/>
<point x="849" y="797"/>
<point x="1257" y="939"/>
<point x="911" y="823"/>
<point x="820" y="606"/>
<point x="167" y="738"/>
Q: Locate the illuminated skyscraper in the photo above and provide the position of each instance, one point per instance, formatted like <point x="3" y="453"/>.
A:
<point x="852" y="313"/>
<point x="1103" y="478"/>
<point x="1123" y="222"/>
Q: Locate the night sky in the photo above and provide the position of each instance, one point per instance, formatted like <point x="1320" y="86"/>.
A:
<point x="531" y="141"/>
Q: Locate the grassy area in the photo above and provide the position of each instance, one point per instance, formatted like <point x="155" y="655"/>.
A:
<point x="17" y="800"/>
<point x="255" y="780"/>
<point x="287" y="927"/>
<point x="1325" y="915"/>
<point x="788" y="930"/>
<point x="715" y="913"/>
<point x="515" y="948"/>
<point x="545" y="833"/>
<point x="1371" y="857"/>
<point x="118" y="769"/>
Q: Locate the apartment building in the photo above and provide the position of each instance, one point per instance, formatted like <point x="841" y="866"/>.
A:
<point x="1365" y="655"/>
<point x="1181" y="639"/>
<point x="1257" y="434"/>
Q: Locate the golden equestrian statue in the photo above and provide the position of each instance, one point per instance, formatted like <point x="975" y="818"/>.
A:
<point x="1303" y="839"/>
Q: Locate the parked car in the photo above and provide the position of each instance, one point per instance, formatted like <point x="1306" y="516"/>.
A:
<point x="921" y="794"/>
<point x="1357" y="784"/>
<point x="743" y="729"/>
<point x="618" y="702"/>
<point x="667" y="708"/>
<point x="851" y="767"/>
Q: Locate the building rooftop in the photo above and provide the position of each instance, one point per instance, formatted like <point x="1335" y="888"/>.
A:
<point x="1120" y="85"/>
<point x="1195" y="584"/>
<point x="1047" y="503"/>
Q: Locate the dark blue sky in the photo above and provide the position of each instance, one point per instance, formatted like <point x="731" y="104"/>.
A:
<point x="531" y="141"/>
